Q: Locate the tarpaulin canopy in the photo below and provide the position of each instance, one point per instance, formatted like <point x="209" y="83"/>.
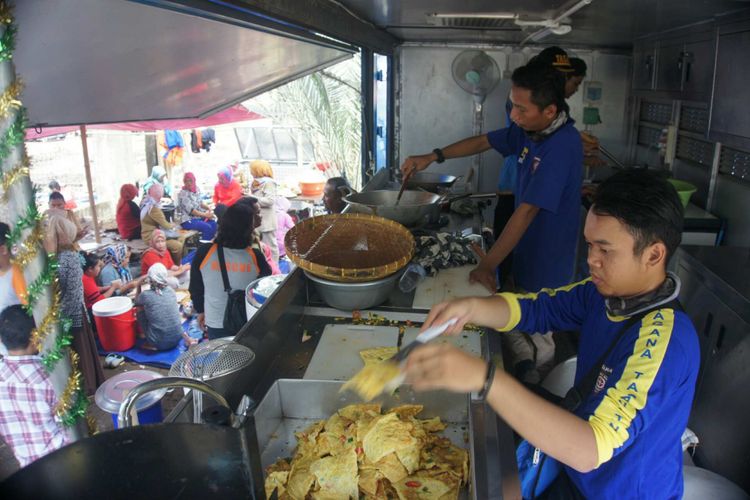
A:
<point x="237" y="113"/>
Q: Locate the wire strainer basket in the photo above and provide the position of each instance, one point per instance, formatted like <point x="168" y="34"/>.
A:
<point x="349" y="248"/>
<point x="209" y="361"/>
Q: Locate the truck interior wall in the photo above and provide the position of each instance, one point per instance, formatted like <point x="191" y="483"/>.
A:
<point x="433" y="111"/>
<point x="732" y="204"/>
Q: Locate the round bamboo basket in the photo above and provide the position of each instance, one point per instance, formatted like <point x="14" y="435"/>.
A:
<point x="349" y="248"/>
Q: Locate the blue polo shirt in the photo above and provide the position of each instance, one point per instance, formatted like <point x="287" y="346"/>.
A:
<point x="641" y="402"/>
<point x="549" y="177"/>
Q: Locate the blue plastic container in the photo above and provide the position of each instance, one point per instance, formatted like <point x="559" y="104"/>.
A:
<point x="110" y="395"/>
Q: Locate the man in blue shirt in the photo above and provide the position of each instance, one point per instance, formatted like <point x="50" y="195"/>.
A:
<point x="543" y="231"/>
<point x="623" y="440"/>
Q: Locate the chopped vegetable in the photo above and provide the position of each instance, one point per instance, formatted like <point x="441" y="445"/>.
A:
<point x="413" y="484"/>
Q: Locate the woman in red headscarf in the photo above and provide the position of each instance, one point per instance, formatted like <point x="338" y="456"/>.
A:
<point x="192" y="213"/>
<point x="128" y="214"/>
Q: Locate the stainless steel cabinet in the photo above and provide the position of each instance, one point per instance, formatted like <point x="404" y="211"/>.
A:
<point x="698" y="69"/>
<point x="669" y="67"/>
<point x="644" y="63"/>
<point x="721" y="315"/>
<point x="730" y="121"/>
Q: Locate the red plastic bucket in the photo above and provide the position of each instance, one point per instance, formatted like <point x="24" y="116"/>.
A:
<point x="115" y="323"/>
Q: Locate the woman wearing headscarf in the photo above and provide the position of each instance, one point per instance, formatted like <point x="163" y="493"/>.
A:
<point x="128" y="214"/>
<point x="116" y="261"/>
<point x="152" y="218"/>
<point x="243" y="262"/>
<point x="59" y="240"/>
<point x="192" y="213"/>
<point x="284" y="222"/>
<point x="158" y="313"/>
<point x="158" y="176"/>
<point x="227" y="191"/>
<point x="157" y="253"/>
<point x="264" y="189"/>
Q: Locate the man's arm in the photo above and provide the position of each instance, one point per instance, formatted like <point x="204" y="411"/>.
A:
<point x="512" y="233"/>
<point x="466" y="147"/>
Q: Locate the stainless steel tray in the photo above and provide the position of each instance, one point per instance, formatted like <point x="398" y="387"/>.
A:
<point x="291" y="405"/>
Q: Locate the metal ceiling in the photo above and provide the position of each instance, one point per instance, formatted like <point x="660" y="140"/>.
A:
<point x="100" y="61"/>
<point x="602" y="24"/>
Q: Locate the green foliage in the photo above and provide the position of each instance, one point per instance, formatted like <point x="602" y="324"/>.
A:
<point x="328" y="105"/>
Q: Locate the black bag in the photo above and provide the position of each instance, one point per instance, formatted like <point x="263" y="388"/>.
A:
<point x="235" y="314"/>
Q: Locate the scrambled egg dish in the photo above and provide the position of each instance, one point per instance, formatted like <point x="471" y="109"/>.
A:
<point x="362" y="453"/>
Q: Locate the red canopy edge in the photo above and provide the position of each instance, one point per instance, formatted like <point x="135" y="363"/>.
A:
<point x="237" y="113"/>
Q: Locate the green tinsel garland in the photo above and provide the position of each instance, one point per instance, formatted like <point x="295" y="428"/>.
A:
<point x="77" y="411"/>
<point x="63" y="341"/>
<point x="28" y="221"/>
<point x="8" y="43"/>
<point x="15" y="134"/>
<point x="37" y="288"/>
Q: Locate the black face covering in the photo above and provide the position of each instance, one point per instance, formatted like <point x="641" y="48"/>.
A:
<point x="540" y="135"/>
<point x="669" y="290"/>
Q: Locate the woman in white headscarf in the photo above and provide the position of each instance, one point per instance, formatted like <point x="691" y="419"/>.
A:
<point x="158" y="313"/>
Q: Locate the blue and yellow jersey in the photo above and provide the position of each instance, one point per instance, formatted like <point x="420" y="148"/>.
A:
<point x="643" y="394"/>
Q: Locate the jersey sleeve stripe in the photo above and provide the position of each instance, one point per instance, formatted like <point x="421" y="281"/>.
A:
<point x="612" y="419"/>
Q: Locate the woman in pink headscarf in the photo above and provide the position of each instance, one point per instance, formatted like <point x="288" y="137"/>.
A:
<point x="152" y="217"/>
<point x="191" y="212"/>
<point x="227" y="191"/>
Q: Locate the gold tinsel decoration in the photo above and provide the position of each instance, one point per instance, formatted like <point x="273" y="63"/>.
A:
<point x="32" y="245"/>
<point x="18" y="172"/>
<point x="9" y="99"/>
<point x="69" y="395"/>
<point x="6" y="13"/>
<point x="92" y="425"/>
<point x="40" y="333"/>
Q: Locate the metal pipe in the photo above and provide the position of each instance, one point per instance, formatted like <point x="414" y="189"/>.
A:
<point x="611" y="156"/>
<point x="124" y="417"/>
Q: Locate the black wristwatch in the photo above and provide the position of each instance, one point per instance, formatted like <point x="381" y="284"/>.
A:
<point x="440" y="155"/>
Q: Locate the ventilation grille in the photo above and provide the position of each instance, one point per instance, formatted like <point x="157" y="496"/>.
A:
<point x="648" y="136"/>
<point x="694" y="119"/>
<point x="656" y="112"/>
<point x="695" y="150"/>
<point x="486" y="23"/>
<point x="735" y="163"/>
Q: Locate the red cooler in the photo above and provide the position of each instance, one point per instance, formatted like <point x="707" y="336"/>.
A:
<point x="115" y="323"/>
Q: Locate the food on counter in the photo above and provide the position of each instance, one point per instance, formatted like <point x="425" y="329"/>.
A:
<point x="362" y="453"/>
<point x="377" y="355"/>
<point x="374" y="379"/>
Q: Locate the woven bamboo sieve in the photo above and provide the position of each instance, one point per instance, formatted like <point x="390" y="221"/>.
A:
<point x="349" y="248"/>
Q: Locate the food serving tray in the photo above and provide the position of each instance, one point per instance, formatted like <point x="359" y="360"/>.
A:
<point x="291" y="405"/>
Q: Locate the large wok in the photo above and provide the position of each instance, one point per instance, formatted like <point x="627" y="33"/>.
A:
<point x="413" y="208"/>
<point x="430" y="181"/>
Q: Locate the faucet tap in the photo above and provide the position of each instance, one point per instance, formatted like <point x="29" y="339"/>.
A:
<point x="124" y="417"/>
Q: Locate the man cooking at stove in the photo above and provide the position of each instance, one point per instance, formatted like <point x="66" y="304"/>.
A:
<point x="638" y="358"/>
<point x="543" y="231"/>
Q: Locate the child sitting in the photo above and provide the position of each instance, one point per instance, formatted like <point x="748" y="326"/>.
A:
<point x="27" y="399"/>
<point x="158" y="314"/>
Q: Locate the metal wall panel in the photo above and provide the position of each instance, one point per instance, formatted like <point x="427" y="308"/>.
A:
<point x="433" y="111"/>
<point x="732" y="203"/>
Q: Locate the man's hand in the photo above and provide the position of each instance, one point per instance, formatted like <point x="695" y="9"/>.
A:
<point x="443" y="366"/>
<point x="485" y="276"/>
<point x="414" y="164"/>
<point x="461" y="310"/>
<point x="202" y="321"/>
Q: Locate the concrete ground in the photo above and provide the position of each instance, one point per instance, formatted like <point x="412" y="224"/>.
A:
<point x="8" y="462"/>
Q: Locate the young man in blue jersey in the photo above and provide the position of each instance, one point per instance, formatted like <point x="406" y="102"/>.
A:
<point x="623" y="440"/>
<point x="543" y="230"/>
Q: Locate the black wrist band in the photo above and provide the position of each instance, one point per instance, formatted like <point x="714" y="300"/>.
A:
<point x="440" y="155"/>
<point x="482" y="395"/>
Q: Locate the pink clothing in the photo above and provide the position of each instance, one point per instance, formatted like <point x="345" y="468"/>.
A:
<point x="284" y="223"/>
<point x="27" y="409"/>
<point x="269" y="258"/>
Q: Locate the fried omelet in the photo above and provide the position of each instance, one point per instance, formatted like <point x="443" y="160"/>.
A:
<point x="359" y="452"/>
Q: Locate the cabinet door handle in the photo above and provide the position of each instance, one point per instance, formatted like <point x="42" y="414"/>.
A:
<point x="707" y="325"/>
<point x="720" y="338"/>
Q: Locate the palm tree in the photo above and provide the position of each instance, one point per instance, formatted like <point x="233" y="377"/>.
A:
<point x="328" y="105"/>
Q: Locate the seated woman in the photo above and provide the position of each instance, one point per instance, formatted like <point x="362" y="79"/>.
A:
<point x="192" y="213"/>
<point x="245" y="263"/>
<point x="227" y="191"/>
<point x="92" y="292"/>
<point x="152" y="218"/>
<point x="157" y="253"/>
<point x="116" y="260"/>
<point x="158" y="314"/>
<point x="333" y="195"/>
<point x="158" y="176"/>
<point x="128" y="214"/>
